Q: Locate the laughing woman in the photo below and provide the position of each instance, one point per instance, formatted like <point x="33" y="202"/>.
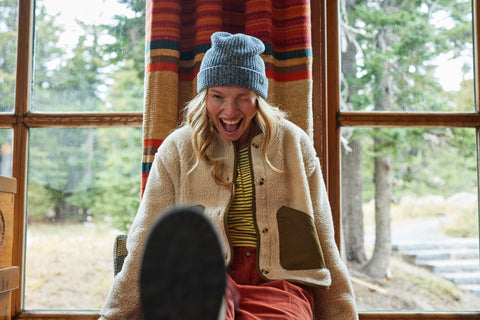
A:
<point x="235" y="221"/>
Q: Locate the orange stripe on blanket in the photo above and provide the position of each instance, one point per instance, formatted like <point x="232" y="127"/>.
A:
<point x="161" y="67"/>
<point x="152" y="142"/>
<point x="303" y="75"/>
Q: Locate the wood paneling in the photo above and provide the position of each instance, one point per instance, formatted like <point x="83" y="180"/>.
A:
<point x="9" y="279"/>
<point x="9" y="275"/>
<point x="8" y="188"/>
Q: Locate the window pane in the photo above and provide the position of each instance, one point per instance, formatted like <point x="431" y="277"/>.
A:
<point x="8" y="53"/>
<point x="407" y="56"/>
<point x="6" y="152"/>
<point x="83" y="190"/>
<point x="89" y="56"/>
<point x="415" y="191"/>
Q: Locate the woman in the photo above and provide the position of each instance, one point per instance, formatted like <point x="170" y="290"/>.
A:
<point x="257" y="179"/>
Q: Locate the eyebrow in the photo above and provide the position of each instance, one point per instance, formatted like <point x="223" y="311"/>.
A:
<point x="242" y="94"/>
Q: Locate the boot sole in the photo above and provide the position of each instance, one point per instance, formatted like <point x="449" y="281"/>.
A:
<point x="183" y="273"/>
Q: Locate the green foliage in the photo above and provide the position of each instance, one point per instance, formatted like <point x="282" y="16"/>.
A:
<point x="40" y="203"/>
<point x="8" y="53"/>
<point x="118" y="184"/>
<point x="395" y="44"/>
<point x="83" y="174"/>
<point x="126" y="92"/>
<point x="6" y="152"/>
<point x="79" y="78"/>
<point x="130" y="36"/>
<point x="440" y="161"/>
<point x="398" y="43"/>
<point x="445" y="163"/>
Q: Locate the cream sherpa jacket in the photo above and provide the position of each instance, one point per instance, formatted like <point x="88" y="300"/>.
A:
<point x="292" y="214"/>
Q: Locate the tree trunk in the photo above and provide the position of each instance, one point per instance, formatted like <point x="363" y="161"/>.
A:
<point x="383" y="178"/>
<point x="352" y="213"/>
<point x="383" y="173"/>
<point x="351" y="160"/>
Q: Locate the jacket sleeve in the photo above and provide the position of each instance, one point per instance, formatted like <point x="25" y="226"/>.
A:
<point x="123" y="300"/>
<point x="338" y="301"/>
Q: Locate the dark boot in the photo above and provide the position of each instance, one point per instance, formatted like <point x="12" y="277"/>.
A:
<point x="183" y="272"/>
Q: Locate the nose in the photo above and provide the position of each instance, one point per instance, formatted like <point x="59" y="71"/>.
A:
<point x="230" y="107"/>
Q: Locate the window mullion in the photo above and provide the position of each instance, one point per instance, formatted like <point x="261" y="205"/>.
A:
<point x="22" y="101"/>
<point x="390" y="119"/>
<point x="332" y="107"/>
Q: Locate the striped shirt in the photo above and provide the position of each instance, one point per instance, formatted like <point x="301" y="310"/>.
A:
<point x="240" y="215"/>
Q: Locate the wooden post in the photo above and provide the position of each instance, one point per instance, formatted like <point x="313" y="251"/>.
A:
<point x="9" y="275"/>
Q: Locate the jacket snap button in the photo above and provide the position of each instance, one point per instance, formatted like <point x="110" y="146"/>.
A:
<point x="261" y="181"/>
<point x="247" y="254"/>
<point x="265" y="230"/>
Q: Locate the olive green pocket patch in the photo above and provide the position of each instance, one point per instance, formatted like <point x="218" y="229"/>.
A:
<point x="299" y="245"/>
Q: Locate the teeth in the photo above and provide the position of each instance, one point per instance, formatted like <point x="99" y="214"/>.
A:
<point x="230" y="122"/>
<point x="230" y="125"/>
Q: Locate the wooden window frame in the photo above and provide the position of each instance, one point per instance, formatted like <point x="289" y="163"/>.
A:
<point x="21" y="122"/>
<point x="327" y="121"/>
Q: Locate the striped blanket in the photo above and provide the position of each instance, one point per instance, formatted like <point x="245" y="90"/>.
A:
<point x="177" y="36"/>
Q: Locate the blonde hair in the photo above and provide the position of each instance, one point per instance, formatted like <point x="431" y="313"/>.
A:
<point x="268" y="118"/>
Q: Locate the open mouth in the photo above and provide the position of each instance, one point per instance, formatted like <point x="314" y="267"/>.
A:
<point x="231" y="126"/>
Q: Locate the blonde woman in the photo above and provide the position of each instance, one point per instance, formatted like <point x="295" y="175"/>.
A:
<point x="235" y="221"/>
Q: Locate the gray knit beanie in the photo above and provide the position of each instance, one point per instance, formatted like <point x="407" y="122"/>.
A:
<point x="234" y="60"/>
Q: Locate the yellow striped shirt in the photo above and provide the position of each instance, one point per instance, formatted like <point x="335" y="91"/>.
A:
<point x="240" y="215"/>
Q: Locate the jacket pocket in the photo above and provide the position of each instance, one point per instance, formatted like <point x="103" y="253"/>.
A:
<point x="300" y="248"/>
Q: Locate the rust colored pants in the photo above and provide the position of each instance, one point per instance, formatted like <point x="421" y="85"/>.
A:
<point x="249" y="297"/>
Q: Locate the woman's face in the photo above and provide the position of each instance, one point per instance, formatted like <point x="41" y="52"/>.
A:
<point x="231" y="109"/>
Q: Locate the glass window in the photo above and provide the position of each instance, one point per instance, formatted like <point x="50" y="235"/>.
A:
<point x="88" y="56"/>
<point x="83" y="190"/>
<point x="8" y="53"/>
<point x="407" y="56"/>
<point x="410" y="218"/>
<point x="6" y="152"/>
